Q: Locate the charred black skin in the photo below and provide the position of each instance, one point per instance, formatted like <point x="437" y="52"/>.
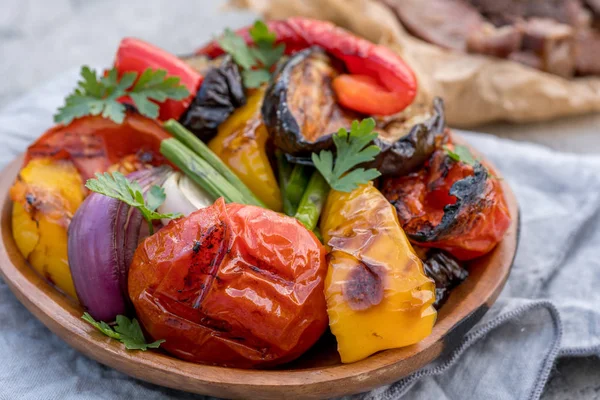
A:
<point x="470" y="197"/>
<point x="410" y="152"/>
<point x="221" y="93"/>
<point x="447" y="273"/>
<point x="278" y="118"/>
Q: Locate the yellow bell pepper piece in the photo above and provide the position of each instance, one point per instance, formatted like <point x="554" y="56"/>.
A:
<point x="378" y="296"/>
<point x="46" y="195"/>
<point x="240" y="143"/>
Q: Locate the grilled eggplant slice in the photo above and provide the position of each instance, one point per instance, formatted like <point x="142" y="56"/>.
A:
<point x="408" y="139"/>
<point x="445" y="270"/>
<point x="220" y="94"/>
<point x="300" y="109"/>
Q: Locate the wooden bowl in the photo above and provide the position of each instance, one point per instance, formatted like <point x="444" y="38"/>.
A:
<point x="317" y="374"/>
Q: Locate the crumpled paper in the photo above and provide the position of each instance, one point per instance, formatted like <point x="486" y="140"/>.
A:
<point x="476" y="89"/>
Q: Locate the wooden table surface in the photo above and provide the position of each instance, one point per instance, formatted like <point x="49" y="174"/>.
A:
<point x="39" y="39"/>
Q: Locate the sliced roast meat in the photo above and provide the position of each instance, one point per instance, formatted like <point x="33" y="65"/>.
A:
<point x="588" y="53"/>
<point x="506" y="12"/>
<point x="553" y="42"/>
<point x="594" y="5"/>
<point x="497" y="42"/>
<point x="446" y="23"/>
<point x="527" y="58"/>
<point x="557" y="36"/>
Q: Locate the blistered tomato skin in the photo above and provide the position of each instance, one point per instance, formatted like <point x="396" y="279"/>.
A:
<point x="231" y="285"/>
<point x="451" y="206"/>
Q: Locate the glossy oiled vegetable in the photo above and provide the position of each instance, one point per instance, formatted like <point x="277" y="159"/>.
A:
<point x="232" y="285"/>
<point x="408" y="139"/>
<point x="445" y="270"/>
<point x="450" y="205"/>
<point x="46" y="195"/>
<point x="241" y="144"/>
<point x="300" y="110"/>
<point x="220" y="94"/>
<point x="103" y="236"/>
<point x="93" y="144"/>
<point x="378" y="296"/>
<point x="49" y="188"/>
<point x="379" y="82"/>
<point x="135" y="55"/>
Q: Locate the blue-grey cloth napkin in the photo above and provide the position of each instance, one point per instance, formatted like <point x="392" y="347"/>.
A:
<point x="549" y="307"/>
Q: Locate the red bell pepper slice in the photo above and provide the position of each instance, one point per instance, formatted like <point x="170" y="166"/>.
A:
<point x="137" y="55"/>
<point x="380" y="82"/>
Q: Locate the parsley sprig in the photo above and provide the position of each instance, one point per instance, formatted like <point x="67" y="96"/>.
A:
<point x="463" y="154"/>
<point x="117" y="186"/>
<point x="353" y="148"/>
<point x="460" y="154"/>
<point x="100" y="96"/>
<point x="255" y="61"/>
<point x="127" y="331"/>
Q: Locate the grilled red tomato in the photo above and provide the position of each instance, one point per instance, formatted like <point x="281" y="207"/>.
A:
<point x="451" y="206"/>
<point x="94" y="143"/>
<point x="231" y="285"/>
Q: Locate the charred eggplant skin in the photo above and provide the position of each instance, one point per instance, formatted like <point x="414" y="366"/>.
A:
<point x="220" y="94"/>
<point x="300" y="110"/>
<point x="446" y="271"/>
<point x="411" y="151"/>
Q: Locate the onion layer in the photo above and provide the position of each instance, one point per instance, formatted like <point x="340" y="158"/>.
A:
<point x="183" y="196"/>
<point x="103" y="236"/>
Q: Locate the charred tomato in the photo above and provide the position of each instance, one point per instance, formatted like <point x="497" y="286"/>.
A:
<point x="450" y="205"/>
<point x="231" y="285"/>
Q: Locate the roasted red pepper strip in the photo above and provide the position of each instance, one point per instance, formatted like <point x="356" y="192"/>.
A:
<point x="95" y="143"/>
<point x="451" y="206"/>
<point x="137" y="56"/>
<point x="381" y="83"/>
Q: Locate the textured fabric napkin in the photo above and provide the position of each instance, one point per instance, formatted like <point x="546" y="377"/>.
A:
<point x="549" y="307"/>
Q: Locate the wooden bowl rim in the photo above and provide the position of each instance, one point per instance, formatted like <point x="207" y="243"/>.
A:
<point x="62" y="316"/>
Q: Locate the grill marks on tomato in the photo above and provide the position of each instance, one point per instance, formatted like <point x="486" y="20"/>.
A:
<point x="206" y="257"/>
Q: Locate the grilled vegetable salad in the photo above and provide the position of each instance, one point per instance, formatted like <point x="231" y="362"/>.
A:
<point x="231" y="207"/>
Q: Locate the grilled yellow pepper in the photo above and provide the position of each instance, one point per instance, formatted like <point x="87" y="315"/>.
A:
<point x="378" y="296"/>
<point x="46" y="195"/>
<point x="240" y="143"/>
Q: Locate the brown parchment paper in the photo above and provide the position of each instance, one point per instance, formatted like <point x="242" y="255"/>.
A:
<point x="476" y="89"/>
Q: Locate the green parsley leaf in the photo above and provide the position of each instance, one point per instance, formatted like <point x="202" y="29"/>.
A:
<point x="353" y="148"/>
<point x="127" y="331"/>
<point x="237" y="47"/>
<point x="260" y="33"/>
<point x="255" y="61"/>
<point x="460" y="154"/>
<point x="463" y="154"/>
<point x="99" y="96"/>
<point x="101" y="326"/>
<point x="117" y="186"/>
<point x="254" y="78"/>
